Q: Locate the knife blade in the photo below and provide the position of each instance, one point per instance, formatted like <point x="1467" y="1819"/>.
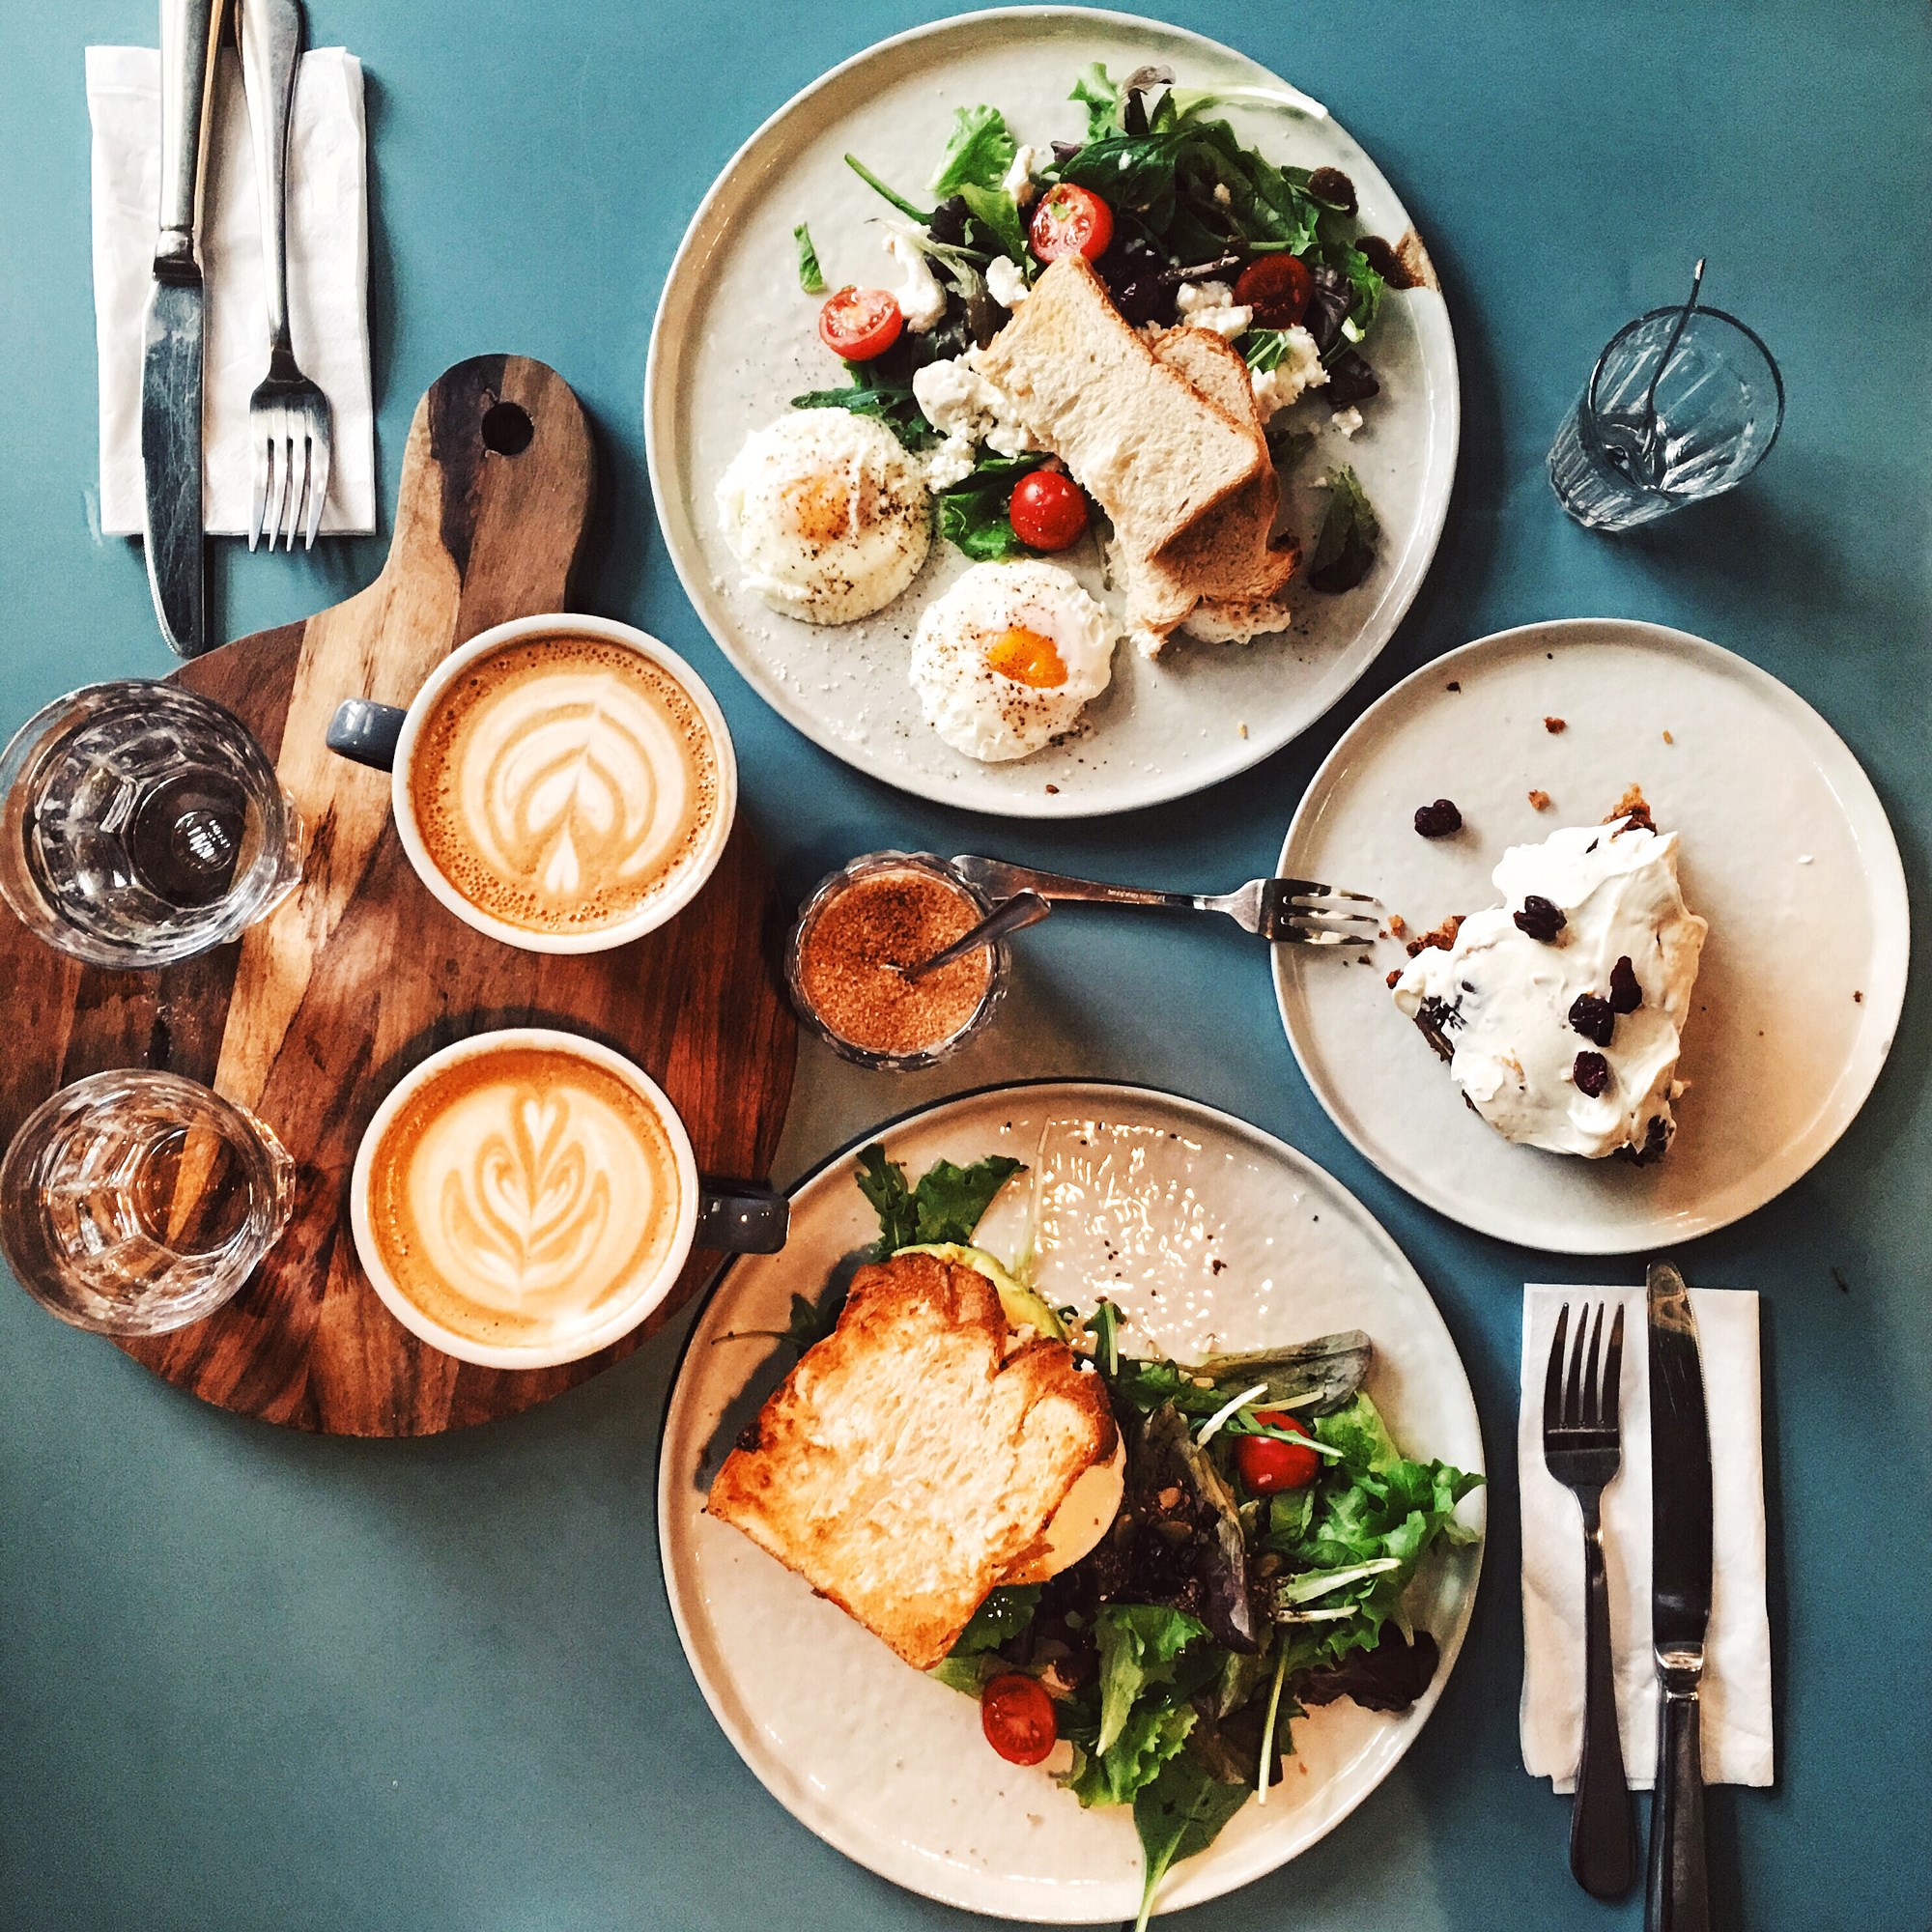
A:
<point x="1677" y="1893"/>
<point x="172" y="334"/>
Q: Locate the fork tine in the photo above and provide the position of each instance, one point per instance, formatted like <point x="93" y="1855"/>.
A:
<point x="1592" y="1387"/>
<point x="1614" y="1370"/>
<point x="318" y="489"/>
<point x="1313" y="889"/>
<point x="1553" y="1381"/>
<point x="299" y="487"/>
<point x="258" y="493"/>
<point x="278" y="486"/>
<point x="1572" y="1387"/>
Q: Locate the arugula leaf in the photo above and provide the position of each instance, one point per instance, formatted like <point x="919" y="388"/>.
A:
<point x="972" y="514"/>
<point x="873" y="393"/>
<point x="948" y="1201"/>
<point x="1138" y="1645"/>
<point x="1346" y="548"/>
<point x="922" y="216"/>
<point x="1102" y="99"/>
<point x="1181" y="1814"/>
<point x="978" y="152"/>
<point x="811" y="1323"/>
<point x="810" y="276"/>
<point x="999" y="213"/>
<point x="883" y="1182"/>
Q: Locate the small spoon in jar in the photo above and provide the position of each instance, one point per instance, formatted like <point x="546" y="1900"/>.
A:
<point x="1022" y="910"/>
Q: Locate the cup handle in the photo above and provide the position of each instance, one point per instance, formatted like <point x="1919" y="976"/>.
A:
<point x="741" y="1219"/>
<point x="366" y="731"/>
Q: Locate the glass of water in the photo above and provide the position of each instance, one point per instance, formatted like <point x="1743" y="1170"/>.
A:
<point x="136" y="1201"/>
<point x="141" y="824"/>
<point x="1718" y="403"/>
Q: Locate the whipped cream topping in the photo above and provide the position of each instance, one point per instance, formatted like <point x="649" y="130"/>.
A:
<point x="1499" y="1000"/>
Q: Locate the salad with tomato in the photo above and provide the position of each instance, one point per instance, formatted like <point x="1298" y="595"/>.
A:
<point x="1185" y="222"/>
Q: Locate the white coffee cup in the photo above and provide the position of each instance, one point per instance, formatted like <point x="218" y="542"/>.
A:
<point x="731" y="1217"/>
<point x="387" y="737"/>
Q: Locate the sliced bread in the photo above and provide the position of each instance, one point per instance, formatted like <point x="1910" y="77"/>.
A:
<point x="909" y="1460"/>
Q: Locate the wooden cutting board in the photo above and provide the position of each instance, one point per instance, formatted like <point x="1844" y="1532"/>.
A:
<point x="360" y="973"/>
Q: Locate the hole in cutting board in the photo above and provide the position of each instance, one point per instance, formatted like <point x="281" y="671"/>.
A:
<point x="507" y="429"/>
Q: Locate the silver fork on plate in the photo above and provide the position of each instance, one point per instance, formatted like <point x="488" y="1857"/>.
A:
<point x="289" y="420"/>
<point x="1296" y="912"/>
<point x="1582" y="1448"/>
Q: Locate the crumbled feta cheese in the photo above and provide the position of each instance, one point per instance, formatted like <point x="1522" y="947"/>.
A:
<point x="1212" y="305"/>
<point x="1222" y="195"/>
<point x="921" y="300"/>
<point x="1299" y="371"/>
<point x="1018" y="181"/>
<point x="1348" y="420"/>
<point x="967" y="409"/>
<point x="1004" y="283"/>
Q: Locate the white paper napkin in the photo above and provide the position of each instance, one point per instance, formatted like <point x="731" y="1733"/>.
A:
<point x="329" y="278"/>
<point x="1736" y="1651"/>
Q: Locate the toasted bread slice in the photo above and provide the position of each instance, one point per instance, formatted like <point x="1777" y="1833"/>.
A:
<point x="1153" y="452"/>
<point x="1230" y="553"/>
<point x="908" y="1459"/>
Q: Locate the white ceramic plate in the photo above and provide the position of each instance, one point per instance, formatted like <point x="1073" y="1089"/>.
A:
<point x="1225" y="1238"/>
<point x="734" y="341"/>
<point x="1785" y="850"/>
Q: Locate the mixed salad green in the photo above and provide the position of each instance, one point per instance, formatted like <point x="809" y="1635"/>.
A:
<point x="1269" y="1530"/>
<point x="1161" y="194"/>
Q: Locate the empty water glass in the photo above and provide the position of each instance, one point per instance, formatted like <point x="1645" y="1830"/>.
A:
<point x="136" y="1201"/>
<point x="141" y="824"/>
<point x="1625" y="456"/>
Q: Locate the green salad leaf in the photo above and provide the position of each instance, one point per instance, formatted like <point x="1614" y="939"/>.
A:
<point x="873" y="392"/>
<point x="909" y="208"/>
<point x="810" y="276"/>
<point x="999" y="213"/>
<point x="1102" y="99"/>
<point x="1181" y="1814"/>
<point x="978" y="152"/>
<point x="1151" y="1734"/>
<point x="1139" y="1646"/>
<point x="972" y="513"/>
<point x="1346" y="547"/>
<point x="945" y="1206"/>
<point x="973" y="1660"/>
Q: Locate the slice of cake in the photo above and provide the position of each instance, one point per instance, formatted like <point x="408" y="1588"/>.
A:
<point x="1561" y="1012"/>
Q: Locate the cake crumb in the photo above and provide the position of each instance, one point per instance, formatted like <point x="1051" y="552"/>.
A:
<point x="1539" y="799"/>
<point x="1858" y="999"/>
<point x="1243" y="728"/>
<point x="1443" y="936"/>
<point x="1393" y="980"/>
<point x="1052" y="791"/>
<point x="1453" y="684"/>
<point x="1668" y="739"/>
<point x="1633" y="809"/>
<point x="1555" y="725"/>
<point x="1398" y="926"/>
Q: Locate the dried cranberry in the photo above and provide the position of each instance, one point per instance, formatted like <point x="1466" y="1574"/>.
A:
<point x="1591" y="1073"/>
<point x="1594" y="1017"/>
<point x="1438" y="820"/>
<point x="1626" y="995"/>
<point x="1541" y="918"/>
<point x="1332" y="185"/>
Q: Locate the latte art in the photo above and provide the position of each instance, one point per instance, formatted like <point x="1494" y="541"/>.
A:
<point x="520" y="1196"/>
<point x="562" y="784"/>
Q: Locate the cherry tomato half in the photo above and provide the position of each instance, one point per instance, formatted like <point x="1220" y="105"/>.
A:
<point x="1048" y="510"/>
<point x="1017" y="1717"/>
<point x="860" y="323"/>
<point x="1276" y="286"/>
<point x="1267" y="1464"/>
<point x="1071" y="220"/>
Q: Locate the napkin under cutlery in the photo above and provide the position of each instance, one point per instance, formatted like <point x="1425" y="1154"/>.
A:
<point x="329" y="278"/>
<point x="1737" y="1733"/>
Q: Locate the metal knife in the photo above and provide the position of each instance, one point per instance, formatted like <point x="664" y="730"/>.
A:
<point x="1677" y="1897"/>
<point x="171" y="374"/>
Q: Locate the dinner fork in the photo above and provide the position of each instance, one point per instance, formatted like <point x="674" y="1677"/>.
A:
<point x="1583" y="1449"/>
<point x="289" y="420"/>
<point x="1287" y="910"/>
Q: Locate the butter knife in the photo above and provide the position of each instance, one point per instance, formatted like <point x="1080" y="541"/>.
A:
<point x="1677" y="1896"/>
<point x="171" y="354"/>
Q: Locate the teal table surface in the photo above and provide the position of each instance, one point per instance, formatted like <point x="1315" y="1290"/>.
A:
<point x="253" y="1680"/>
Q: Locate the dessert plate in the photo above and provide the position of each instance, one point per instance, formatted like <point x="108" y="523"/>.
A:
<point x="887" y="1764"/>
<point x="734" y="342"/>
<point x="1785" y="849"/>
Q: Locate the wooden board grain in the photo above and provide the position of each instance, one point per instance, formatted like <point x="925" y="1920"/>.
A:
<point x="360" y="973"/>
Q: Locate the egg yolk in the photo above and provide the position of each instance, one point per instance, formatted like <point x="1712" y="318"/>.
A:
<point x="818" y="508"/>
<point x="1028" y="658"/>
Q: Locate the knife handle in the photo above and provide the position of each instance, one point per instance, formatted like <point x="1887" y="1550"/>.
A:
<point x="1603" y="1825"/>
<point x="189" y="37"/>
<point x="271" y="32"/>
<point x="1678" y="1897"/>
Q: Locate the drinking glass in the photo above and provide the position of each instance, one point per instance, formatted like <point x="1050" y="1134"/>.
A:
<point x="1720" y="401"/>
<point x="135" y="1202"/>
<point x="141" y="824"/>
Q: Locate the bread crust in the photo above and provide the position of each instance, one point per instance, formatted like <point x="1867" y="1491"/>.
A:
<point x="910" y="1457"/>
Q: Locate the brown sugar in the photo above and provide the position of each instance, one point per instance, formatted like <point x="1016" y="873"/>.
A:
<point x="850" y="964"/>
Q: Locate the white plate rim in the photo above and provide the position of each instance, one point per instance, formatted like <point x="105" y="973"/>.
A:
<point x="1209" y="1884"/>
<point x="660" y="406"/>
<point x="1884" y="1001"/>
